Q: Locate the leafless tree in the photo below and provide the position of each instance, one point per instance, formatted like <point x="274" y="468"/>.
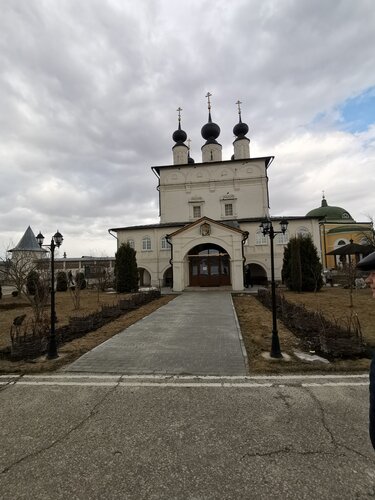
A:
<point x="40" y="299"/>
<point x="75" y="291"/>
<point x="103" y="278"/>
<point x="16" y="269"/>
<point x="368" y="235"/>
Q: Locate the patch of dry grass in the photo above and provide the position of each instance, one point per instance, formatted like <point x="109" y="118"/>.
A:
<point x="90" y="302"/>
<point x="74" y="349"/>
<point x="256" y="327"/>
<point x="255" y="321"/>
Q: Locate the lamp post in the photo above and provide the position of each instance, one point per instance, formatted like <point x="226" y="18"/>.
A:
<point x="267" y="228"/>
<point x="56" y="241"/>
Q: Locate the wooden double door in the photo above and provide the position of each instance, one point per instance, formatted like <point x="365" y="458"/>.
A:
<point x="209" y="266"/>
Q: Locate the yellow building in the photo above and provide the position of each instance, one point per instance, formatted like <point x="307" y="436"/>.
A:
<point x="338" y="228"/>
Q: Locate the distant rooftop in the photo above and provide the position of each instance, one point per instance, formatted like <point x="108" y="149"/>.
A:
<point x="28" y="243"/>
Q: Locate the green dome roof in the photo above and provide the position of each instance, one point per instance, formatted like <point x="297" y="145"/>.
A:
<point x="330" y="213"/>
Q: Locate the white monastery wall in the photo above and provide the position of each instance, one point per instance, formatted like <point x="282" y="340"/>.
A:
<point x="256" y="248"/>
<point x="242" y="184"/>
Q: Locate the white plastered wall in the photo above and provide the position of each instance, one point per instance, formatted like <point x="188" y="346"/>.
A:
<point x="245" y="181"/>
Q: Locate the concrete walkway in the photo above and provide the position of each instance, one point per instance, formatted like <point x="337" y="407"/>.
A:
<point x="194" y="334"/>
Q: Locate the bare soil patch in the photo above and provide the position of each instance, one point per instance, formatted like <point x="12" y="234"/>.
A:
<point x="256" y="327"/>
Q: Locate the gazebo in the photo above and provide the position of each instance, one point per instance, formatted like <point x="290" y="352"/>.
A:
<point x="346" y="251"/>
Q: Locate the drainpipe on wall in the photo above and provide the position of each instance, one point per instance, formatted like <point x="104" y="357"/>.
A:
<point x="168" y="238"/>
<point x="109" y="230"/>
<point x="325" y="243"/>
<point x="246" y="235"/>
<point x="158" y="187"/>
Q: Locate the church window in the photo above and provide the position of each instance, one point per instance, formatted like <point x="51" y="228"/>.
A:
<point x="165" y="244"/>
<point x="131" y="243"/>
<point x="303" y="231"/>
<point x="260" y="238"/>
<point x="340" y="243"/>
<point x="146" y="243"/>
<point x="196" y="211"/>
<point x="228" y="206"/>
<point x="228" y="209"/>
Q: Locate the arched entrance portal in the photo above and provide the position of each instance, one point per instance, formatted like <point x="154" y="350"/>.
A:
<point x="209" y="265"/>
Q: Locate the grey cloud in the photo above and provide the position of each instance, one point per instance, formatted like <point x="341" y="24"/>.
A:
<point x="88" y="92"/>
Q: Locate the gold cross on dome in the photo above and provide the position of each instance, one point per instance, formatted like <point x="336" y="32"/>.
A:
<point x="179" y="113"/>
<point x="208" y="95"/>
<point x="239" y="106"/>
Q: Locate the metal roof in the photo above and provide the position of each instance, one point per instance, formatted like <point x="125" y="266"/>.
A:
<point x="28" y="243"/>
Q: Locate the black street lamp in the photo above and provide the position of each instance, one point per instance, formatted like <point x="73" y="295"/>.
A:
<point x="267" y="228"/>
<point x="56" y="241"/>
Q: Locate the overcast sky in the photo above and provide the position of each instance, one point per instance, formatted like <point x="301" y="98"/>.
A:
<point x="89" y="91"/>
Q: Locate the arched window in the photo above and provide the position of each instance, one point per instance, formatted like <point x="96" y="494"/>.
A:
<point x="165" y="245"/>
<point x="131" y="243"/>
<point x="339" y="243"/>
<point x="303" y="231"/>
<point x="146" y="243"/>
<point x="260" y="238"/>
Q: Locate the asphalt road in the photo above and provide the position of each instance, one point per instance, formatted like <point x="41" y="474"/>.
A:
<point x="86" y="436"/>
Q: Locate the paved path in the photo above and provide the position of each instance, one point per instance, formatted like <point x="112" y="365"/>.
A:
<point x="194" y="334"/>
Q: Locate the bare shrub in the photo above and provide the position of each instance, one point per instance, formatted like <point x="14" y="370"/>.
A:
<point x="334" y="338"/>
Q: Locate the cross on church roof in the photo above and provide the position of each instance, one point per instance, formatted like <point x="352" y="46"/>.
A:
<point x="179" y="114"/>
<point x="208" y="95"/>
<point x="239" y="107"/>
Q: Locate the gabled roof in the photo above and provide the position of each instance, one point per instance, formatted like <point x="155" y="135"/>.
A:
<point x="27" y="243"/>
<point x="210" y="221"/>
<point x="149" y="226"/>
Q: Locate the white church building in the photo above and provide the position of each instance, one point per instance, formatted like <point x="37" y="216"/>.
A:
<point x="210" y="212"/>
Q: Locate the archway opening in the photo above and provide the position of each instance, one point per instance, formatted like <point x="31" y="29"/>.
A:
<point x="255" y="275"/>
<point x="168" y="277"/>
<point x="144" y="277"/>
<point x="209" y="265"/>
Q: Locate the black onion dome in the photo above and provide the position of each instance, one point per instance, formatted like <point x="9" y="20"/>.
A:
<point x="179" y="135"/>
<point x="211" y="130"/>
<point x="241" y="129"/>
<point x="190" y="159"/>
